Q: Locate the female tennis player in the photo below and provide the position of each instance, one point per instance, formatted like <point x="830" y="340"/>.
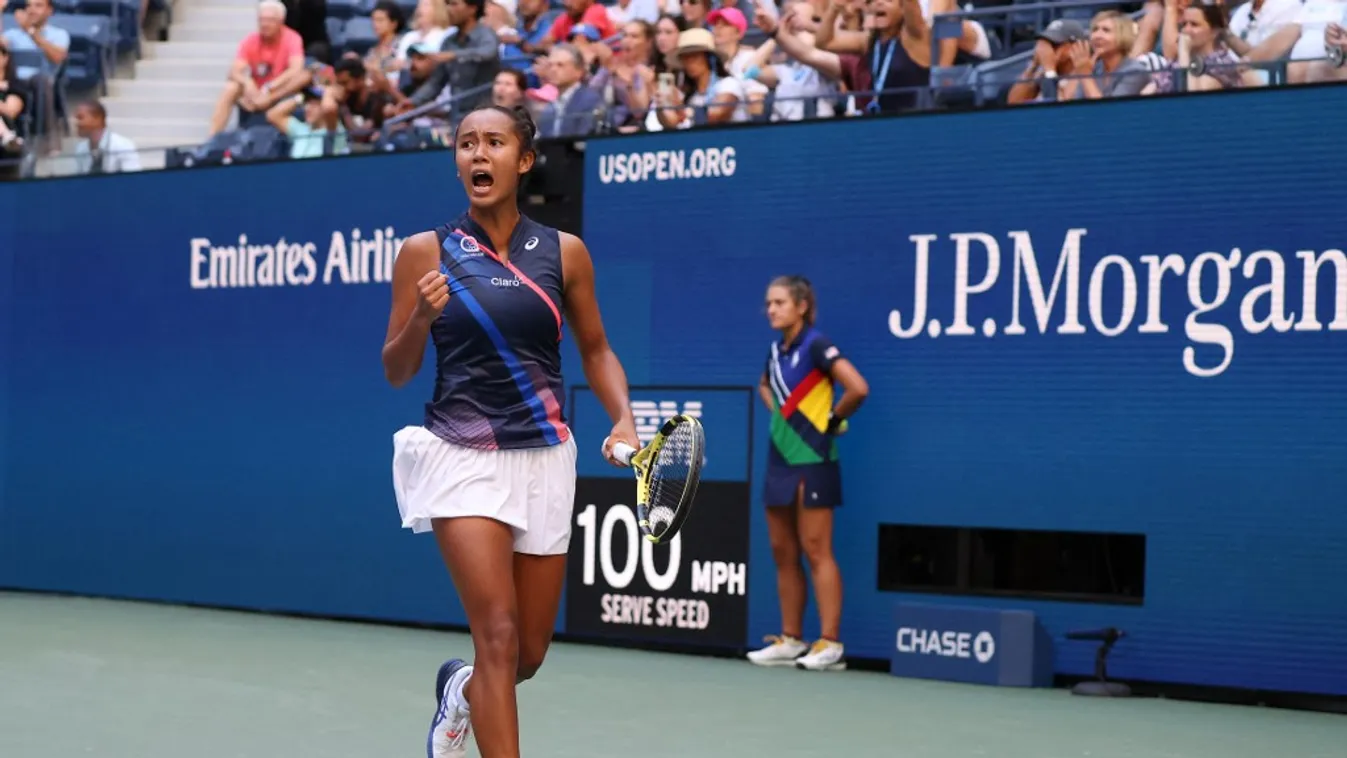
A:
<point x="492" y="470"/>
<point x="804" y="479"/>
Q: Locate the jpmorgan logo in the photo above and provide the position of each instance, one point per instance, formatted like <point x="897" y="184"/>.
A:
<point x="947" y="644"/>
<point x="650" y="415"/>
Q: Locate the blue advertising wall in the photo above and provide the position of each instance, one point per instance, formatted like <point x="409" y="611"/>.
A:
<point x="1171" y="381"/>
<point x="170" y="432"/>
<point x="180" y="432"/>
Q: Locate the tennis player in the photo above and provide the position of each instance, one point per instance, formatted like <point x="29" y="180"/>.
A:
<point x="492" y="470"/>
<point x="804" y="479"/>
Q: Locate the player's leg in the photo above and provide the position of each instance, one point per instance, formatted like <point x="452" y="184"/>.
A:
<point x="783" y="535"/>
<point x="480" y="555"/>
<point x="538" y="580"/>
<point x="540" y="551"/>
<point x="815" y="521"/>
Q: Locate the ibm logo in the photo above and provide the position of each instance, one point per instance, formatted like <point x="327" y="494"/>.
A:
<point x="650" y="415"/>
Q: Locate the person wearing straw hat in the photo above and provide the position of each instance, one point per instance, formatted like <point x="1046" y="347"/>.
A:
<point x="707" y="94"/>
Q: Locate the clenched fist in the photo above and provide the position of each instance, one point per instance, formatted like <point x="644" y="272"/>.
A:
<point x="432" y="294"/>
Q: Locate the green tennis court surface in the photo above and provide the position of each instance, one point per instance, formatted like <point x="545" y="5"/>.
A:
<point x="101" y="678"/>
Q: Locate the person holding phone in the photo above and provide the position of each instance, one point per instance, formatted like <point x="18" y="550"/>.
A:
<point x="804" y="478"/>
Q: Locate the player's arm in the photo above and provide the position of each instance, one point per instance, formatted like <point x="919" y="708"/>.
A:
<point x="416" y="271"/>
<point x="765" y="391"/>
<point x="602" y="368"/>
<point x="843" y="372"/>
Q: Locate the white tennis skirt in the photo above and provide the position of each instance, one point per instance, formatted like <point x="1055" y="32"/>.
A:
<point x="531" y="490"/>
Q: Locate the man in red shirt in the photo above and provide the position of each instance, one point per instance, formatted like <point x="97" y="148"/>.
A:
<point x="582" y="12"/>
<point x="268" y="67"/>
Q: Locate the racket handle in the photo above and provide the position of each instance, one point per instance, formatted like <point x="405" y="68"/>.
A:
<point x="623" y="452"/>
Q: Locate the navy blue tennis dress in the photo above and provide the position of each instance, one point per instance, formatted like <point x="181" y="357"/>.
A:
<point x="498" y="383"/>
<point x="802" y="402"/>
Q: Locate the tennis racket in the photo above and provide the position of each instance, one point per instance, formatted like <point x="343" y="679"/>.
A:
<point x="667" y="472"/>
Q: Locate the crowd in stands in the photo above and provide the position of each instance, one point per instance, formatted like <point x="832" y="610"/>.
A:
<point x="322" y="77"/>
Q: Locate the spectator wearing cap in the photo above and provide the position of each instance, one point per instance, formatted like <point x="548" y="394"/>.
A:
<point x="1051" y="60"/>
<point x="708" y="95"/>
<point x="268" y="67"/>
<point x="582" y="12"/>
<point x="101" y="150"/>
<point x="587" y="40"/>
<point x="894" y="53"/>
<point x="319" y="132"/>
<point x="577" y="109"/>
<point x="421" y="64"/>
<point x="470" y="58"/>
<point x="623" y="12"/>
<point x="728" y="27"/>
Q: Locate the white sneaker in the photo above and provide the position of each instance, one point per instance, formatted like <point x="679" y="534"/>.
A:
<point x="782" y="651"/>
<point x="825" y="655"/>
<point x="449" y="729"/>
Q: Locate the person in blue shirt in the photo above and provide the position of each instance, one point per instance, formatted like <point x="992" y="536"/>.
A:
<point x="491" y="470"/>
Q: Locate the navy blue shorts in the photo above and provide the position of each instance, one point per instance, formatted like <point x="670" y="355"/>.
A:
<point x="822" y="485"/>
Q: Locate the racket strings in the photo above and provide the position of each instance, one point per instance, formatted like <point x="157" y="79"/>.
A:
<point x="673" y="468"/>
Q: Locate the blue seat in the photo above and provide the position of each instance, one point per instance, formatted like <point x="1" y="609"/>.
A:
<point x="124" y="15"/>
<point x="336" y="37"/>
<point x="358" y="34"/>
<point x="342" y="10"/>
<point x="90" y="59"/>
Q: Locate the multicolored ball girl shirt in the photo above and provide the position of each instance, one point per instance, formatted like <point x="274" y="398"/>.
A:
<point x="802" y="393"/>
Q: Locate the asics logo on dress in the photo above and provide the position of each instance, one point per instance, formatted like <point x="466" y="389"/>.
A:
<point x="532" y="243"/>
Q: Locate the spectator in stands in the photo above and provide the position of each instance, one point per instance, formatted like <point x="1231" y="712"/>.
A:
<point x="694" y="12"/>
<point x="972" y="46"/>
<point x="508" y="89"/>
<point x="268" y="67"/>
<point x="577" y="109"/>
<point x="625" y="11"/>
<point x="807" y="72"/>
<point x="389" y="22"/>
<point x="13" y="97"/>
<point x="421" y="63"/>
<point x="708" y="94"/>
<point x="1051" y="60"/>
<point x="430" y="25"/>
<point x="1257" y="20"/>
<point x="32" y="32"/>
<point x="667" y="29"/>
<point x="532" y="32"/>
<point x="101" y="150"/>
<point x="1313" y="21"/>
<point x="1335" y="37"/>
<point x="628" y="79"/>
<point x="1103" y="60"/>
<point x="319" y="132"/>
<point x="1202" y="38"/>
<point x="728" y="26"/>
<point x="582" y="12"/>
<point x="309" y="19"/>
<point x="362" y="107"/>
<point x="896" y="49"/>
<point x="470" y="55"/>
<point x="596" y="54"/>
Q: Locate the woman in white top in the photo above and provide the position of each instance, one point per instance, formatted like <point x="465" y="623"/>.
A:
<point x="430" y="25"/>
<point x="706" y="85"/>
